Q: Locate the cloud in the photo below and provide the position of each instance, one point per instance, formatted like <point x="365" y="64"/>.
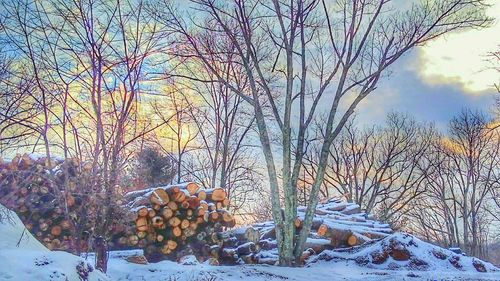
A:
<point x="461" y="58"/>
<point x="405" y="91"/>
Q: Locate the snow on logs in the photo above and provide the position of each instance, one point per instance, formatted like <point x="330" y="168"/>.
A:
<point x="27" y="189"/>
<point x="345" y="225"/>
<point x="178" y="220"/>
<point x="336" y="224"/>
<point x="53" y="202"/>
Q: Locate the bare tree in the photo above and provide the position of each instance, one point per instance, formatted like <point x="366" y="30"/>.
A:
<point x="224" y="123"/>
<point x="174" y="112"/>
<point x="293" y="53"/>
<point x="474" y="155"/>
<point x="86" y="62"/>
<point x="459" y="192"/>
<point x="382" y="169"/>
<point x="16" y="112"/>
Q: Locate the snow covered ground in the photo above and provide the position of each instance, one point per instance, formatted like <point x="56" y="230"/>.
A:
<point x="320" y="270"/>
<point x="26" y="259"/>
<point x="120" y="269"/>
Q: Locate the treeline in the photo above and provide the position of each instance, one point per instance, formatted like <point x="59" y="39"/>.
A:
<point x="441" y="184"/>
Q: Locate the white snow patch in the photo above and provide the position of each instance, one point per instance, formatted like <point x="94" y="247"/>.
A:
<point x="24" y="258"/>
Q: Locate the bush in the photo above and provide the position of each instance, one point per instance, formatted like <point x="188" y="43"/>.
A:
<point x="153" y="167"/>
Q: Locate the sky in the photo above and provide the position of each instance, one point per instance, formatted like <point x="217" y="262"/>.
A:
<point x="438" y="80"/>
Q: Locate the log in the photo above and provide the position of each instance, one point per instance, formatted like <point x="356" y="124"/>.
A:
<point x="216" y="194"/>
<point x="157" y="221"/>
<point x="160" y="197"/>
<point x="192" y="188"/>
<point x="167" y="213"/>
<point x="180" y="196"/>
<point x="133" y="240"/>
<point x="160" y="238"/>
<point x="214" y="216"/>
<point x="184" y="204"/>
<point x="142" y="212"/>
<point x="202" y="195"/>
<point x="194" y="202"/>
<point x="56" y="230"/>
<point x="318" y="245"/>
<point x="352" y="240"/>
<point x="141" y="224"/>
<point x="246" y="233"/>
<point x="151" y="213"/>
<point x="174" y="221"/>
<point x="172" y="205"/>
<point x="176" y="231"/>
<point x="246" y="249"/>
<point x="191" y="217"/>
<point x="185" y="224"/>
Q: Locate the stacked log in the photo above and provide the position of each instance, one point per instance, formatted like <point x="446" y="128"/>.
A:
<point x="27" y="188"/>
<point x="167" y="222"/>
<point x="238" y="246"/>
<point x="53" y="204"/>
<point x="344" y="224"/>
<point x="336" y="224"/>
<point x="178" y="220"/>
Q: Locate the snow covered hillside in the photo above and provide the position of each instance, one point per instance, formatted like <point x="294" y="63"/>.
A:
<point x="23" y="258"/>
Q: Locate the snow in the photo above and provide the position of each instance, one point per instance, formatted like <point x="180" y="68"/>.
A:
<point x="14" y="235"/>
<point x="35" y="156"/>
<point x="339" y="215"/>
<point x="121" y="270"/>
<point x="331" y="265"/>
<point x="342" y="266"/>
<point x="24" y="258"/>
<point x="423" y="256"/>
<point x="139" y="198"/>
<point x="31" y="261"/>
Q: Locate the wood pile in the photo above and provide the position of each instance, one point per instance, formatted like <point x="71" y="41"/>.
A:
<point x="178" y="220"/>
<point x="52" y="202"/>
<point x="27" y="188"/>
<point x="336" y="224"/>
<point x="168" y="222"/>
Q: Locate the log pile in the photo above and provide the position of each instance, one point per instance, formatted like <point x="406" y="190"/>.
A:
<point x="178" y="220"/>
<point x="336" y="224"/>
<point x="27" y="188"/>
<point x="167" y="222"/>
<point x="238" y="246"/>
<point x="53" y="203"/>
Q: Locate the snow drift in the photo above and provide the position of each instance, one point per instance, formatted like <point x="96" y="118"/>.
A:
<point x="404" y="251"/>
<point x="24" y="258"/>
